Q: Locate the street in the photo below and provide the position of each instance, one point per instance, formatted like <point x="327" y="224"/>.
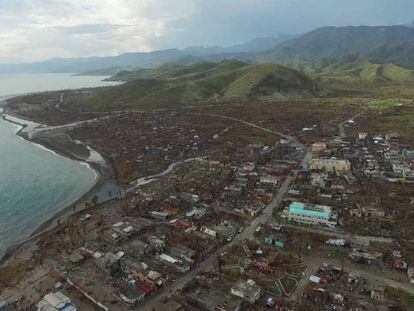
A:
<point x="152" y="302"/>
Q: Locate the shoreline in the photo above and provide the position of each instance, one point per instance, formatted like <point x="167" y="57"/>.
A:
<point x="104" y="174"/>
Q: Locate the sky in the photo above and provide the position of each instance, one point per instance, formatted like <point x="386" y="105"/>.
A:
<point x="34" y="30"/>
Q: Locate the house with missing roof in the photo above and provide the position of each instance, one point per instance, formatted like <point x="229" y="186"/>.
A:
<point x="247" y="290"/>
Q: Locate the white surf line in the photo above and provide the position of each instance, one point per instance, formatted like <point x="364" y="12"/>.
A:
<point x="31" y="127"/>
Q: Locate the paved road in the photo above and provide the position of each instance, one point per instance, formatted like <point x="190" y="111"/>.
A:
<point x="147" y="179"/>
<point x="153" y="302"/>
<point x="287" y="137"/>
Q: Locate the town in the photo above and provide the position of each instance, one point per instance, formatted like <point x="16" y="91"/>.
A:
<point x="217" y="212"/>
<point x="214" y="155"/>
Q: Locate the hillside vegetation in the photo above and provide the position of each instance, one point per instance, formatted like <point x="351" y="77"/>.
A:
<point x="357" y="71"/>
<point x="169" y="86"/>
<point x="384" y="44"/>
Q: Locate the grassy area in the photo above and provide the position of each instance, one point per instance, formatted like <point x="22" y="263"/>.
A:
<point x="198" y="83"/>
<point x="397" y="73"/>
<point x="272" y="288"/>
<point x="403" y="117"/>
<point x="196" y="70"/>
<point x="358" y="76"/>
<point x="238" y="252"/>
<point x="386" y="104"/>
<point x="297" y="271"/>
<point x="405" y="298"/>
<point x="240" y="134"/>
<point x="265" y="79"/>
<point x="288" y="283"/>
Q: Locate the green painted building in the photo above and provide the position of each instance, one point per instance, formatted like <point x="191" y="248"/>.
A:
<point x="274" y="242"/>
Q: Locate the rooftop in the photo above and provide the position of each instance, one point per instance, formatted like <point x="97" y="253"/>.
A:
<point x="246" y="289"/>
<point x="56" y="301"/>
<point x="312" y="210"/>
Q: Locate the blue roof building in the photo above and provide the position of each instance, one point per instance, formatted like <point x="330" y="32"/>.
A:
<point x="310" y="214"/>
<point x="310" y="210"/>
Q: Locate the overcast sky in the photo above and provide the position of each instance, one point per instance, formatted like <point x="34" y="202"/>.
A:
<point x="40" y="29"/>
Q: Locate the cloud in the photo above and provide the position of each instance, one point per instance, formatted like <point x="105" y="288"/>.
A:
<point x="39" y="29"/>
<point x="227" y="22"/>
<point x="89" y="28"/>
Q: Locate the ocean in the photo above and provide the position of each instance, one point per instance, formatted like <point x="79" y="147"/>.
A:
<point x="36" y="183"/>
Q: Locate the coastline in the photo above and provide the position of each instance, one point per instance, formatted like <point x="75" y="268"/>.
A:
<point x="74" y="150"/>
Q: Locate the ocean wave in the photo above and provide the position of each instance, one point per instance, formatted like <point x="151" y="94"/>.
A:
<point x="44" y="148"/>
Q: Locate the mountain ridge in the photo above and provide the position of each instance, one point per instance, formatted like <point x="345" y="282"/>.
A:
<point x="135" y="60"/>
<point x="382" y="43"/>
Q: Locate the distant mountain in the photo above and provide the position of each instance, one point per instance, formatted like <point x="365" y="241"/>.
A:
<point x="224" y="81"/>
<point x="76" y="65"/>
<point x="176" y="71"/>
<point x="255" y="45"/>
<point x="132" y="61"/>
<point x="401" y="53"/>
<point x="383" y="44"/>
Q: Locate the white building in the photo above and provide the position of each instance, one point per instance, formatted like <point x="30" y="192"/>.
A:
<point x="336" y="242"/>
<point x="363" y="136"/>
<point x="247" y="290"/>
<point x="269" y="179"/>
<point x="169" y="259"/>
<point x="330" y="165"/>
<point x="55" y="301"/>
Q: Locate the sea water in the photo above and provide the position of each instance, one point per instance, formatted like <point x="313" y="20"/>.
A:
<point x="36" y="183"/>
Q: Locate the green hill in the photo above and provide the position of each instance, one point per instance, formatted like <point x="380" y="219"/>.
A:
<point x="271" y="79"/>
<point x="383" y="44"/>
<point x="354" y="71"/>
<point x="173" y="71"/>
<point x="397" y="73"/>
<point x="169" y="86"/>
